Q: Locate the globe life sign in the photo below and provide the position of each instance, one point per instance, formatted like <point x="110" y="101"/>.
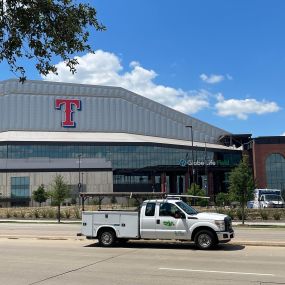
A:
<point x="184" y="162"/>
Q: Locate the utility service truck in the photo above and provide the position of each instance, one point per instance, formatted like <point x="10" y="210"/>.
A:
<point x="163" y="219"/>
<point x="268" y="198"/>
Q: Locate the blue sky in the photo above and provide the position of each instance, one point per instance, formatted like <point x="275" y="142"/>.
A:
<point x="222" y="61"/>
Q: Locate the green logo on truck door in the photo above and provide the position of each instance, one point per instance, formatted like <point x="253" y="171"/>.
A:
<point x="168" y="224"/>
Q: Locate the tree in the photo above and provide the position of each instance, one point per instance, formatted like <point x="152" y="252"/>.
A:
<point x="40" y="195"/>
<point x="241" y="184"/>
<point x="222" y="199"/>
<point x="196" y="190"/>
<point x="60" y="191"/>
<point x="41" y="29"/>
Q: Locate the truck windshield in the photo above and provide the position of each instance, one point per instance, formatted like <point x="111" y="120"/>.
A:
<point x="186" y="208"/>
<point x="272" y="197"/>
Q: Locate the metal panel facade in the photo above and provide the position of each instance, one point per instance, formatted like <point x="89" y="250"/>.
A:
<point x="31" y="107"/>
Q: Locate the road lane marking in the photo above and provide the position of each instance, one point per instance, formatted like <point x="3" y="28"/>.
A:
<point x="214" y="271"/>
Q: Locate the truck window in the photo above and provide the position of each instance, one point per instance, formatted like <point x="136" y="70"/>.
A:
<point x="167" y="209"/>
<point x="150" y="209"/>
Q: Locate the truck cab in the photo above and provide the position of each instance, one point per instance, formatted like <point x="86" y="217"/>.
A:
<point x="271" y="201"/>
<point x="268" y="198"/>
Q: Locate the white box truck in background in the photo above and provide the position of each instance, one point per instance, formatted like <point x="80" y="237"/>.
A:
<point x="268" y="198"/>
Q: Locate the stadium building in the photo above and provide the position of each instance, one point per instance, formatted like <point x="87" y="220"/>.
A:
<point x="105" y="139"/>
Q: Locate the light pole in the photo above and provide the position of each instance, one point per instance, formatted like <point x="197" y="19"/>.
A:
<point x="79" y="183"/>
<point x="192" y="152"/>
<point x="206" y="169"/>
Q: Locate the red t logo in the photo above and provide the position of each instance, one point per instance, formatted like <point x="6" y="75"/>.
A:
<point x="69" y="106"/>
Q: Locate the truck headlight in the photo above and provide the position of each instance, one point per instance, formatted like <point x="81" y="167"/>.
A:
<point x="220" y="225"/>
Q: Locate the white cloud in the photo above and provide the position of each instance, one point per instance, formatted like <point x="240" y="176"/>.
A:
<point x="104" y="68"/>
<point x="213" y="78"/>
<point x="242" y="108"/>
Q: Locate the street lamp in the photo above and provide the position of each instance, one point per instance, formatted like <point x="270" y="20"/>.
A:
<point x="79" y="183"/>
<point x="192" y="150"/>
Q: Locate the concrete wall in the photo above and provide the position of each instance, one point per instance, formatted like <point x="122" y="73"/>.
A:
<point x="99" y="181"/>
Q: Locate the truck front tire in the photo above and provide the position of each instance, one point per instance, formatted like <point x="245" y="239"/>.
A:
<point x="205" y="239"/>
<point x="106" y="238"/>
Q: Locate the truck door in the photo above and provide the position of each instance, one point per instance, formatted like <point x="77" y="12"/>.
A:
<point x="148" y="221"/>
<point x="169" y="224"/>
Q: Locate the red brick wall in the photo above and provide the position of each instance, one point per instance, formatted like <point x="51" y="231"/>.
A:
<point x="260" y="153"/>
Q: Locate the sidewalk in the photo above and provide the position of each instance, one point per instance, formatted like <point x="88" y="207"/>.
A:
<point x="260" y="223"/>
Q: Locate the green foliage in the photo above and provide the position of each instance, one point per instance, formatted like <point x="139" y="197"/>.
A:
<point x="51" y="214"/>
<point x="94" y="201"/>
<point x="22" y="214"/>
<point x="196" y="190"/>
<point x="60" y="191"/>
<point x="114" y="200"/>
<point x="263" y="214"/>
<point x="36" y="213"/>
<point x="40" y="195"/>
<point x="277" y="216"/>
<point x="40" y="29"/>
<point x="44" y="213"/>
<point x="241" y="214"/>
<point x="230" y="213"/>
<point x="223" y="199"/>
<point x="67" y="213"/>
<point x="8" y="214"/>
<point x="77" y="213"/>
<point x="241" y="184"/>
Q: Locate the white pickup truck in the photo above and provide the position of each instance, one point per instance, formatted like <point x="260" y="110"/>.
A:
<point x="164" y="219"/>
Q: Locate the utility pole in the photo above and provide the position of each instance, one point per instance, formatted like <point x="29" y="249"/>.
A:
<point x="79" y="180"/>
<point x="192" y="152"/>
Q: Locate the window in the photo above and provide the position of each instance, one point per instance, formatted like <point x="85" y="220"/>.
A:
<point x="20" y="187"/>
<point x="167" y="209"/>
<point x="150" y="209"/>
<point x="275" y="171"/>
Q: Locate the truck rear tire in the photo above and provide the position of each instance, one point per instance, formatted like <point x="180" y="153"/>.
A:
<point x="106" y="238"/>
<point x="205" y="239"/>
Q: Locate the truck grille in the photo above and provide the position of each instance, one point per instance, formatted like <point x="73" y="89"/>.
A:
<point x="228" y="224"/>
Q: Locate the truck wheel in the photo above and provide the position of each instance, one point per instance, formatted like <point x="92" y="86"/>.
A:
<point x="106" y="238"/>
<point x="205" y="239"/>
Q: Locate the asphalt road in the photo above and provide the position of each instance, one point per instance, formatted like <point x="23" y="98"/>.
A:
<point x="29" y="261"/>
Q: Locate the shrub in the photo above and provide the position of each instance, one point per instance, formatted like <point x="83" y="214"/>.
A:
<point x="22" y="214"/>
<point x="277" y="215"/>
<point x="77" y="213"/>
<point x="8" y="214"/>
<point x="15" y="214"/>
<point x="220" y="210"/>
<point x="114" y="200"/>
<point x="36" y="213"/>
<point x="239" y="213"/>
<point x="231" y="213"/>
<point x="263" y="214"/>
<point x="67" y="213"/>
<point x="51" y="213"/>
<point x="44" y="213"/>
<point x="222" y="199"/>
